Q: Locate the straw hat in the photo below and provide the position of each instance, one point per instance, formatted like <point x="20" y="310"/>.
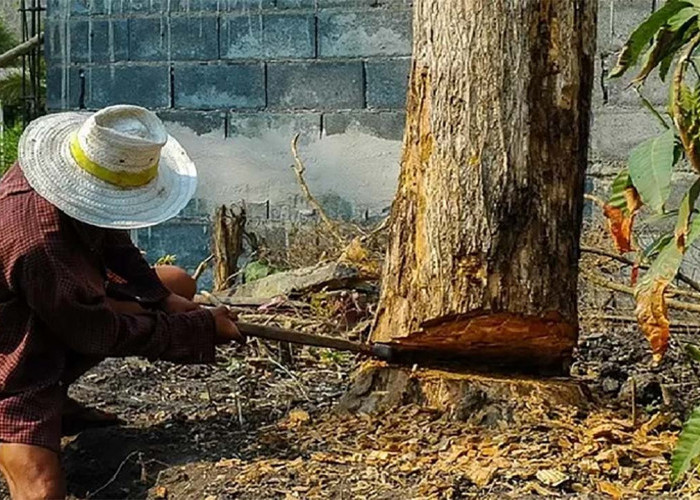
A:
<point x="117" y="168"/>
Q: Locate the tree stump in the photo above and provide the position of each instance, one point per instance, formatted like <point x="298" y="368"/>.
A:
<point x="475" y="398"/>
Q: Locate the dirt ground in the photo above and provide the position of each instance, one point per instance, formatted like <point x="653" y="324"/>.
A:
<point x="255" y="426"/>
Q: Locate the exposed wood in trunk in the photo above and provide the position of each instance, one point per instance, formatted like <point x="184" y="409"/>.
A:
<point x="476" y="398"/>
<point x="484" y="246"/>
<point x="227" y="244"/>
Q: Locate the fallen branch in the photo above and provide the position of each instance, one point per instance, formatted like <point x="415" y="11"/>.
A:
<point x="618" y="287"/>
<point x="115" y="476"/>
<point x="624" y="260"/>
<point x="299" y="170"/>
<point x="676" y="325"/>
<point x="8" y="57"/>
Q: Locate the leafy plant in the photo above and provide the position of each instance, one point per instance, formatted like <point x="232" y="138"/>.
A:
<point x="8" y="147"/>
<point x="674" y="33"/>
<point x="166" y="260"/>
<point x="686" y="455"/>
<point x="257" y="269"/>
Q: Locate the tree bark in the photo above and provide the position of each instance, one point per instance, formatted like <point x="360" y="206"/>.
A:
<point x="227" y="244"/>
<point x="484" y="245"/>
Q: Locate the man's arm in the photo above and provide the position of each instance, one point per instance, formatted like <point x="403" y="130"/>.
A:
<point x="123" y="258"/>
<point x="77" y="311"/>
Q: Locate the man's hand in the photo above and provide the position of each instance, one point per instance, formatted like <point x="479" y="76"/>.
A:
<point x="174" y="304"/>
<point x="226" y="329"/>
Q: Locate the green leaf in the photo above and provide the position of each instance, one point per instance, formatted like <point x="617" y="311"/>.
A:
<point x="650" y="166"/>
<point x="653" y="249"/>
<point x="693" y="352"/>
<point x="687" y="448"/>
<point x="667" y="41"/>
<point x="617" y="196"/>
<point x="644" y="33"/>
<point x="256" y="270"/>
<point x="685" y="211"/>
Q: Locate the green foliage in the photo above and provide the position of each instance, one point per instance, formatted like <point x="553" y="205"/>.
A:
<point x="650" y="166"/>
<point x="687" y="452"/>
<point x="257" y="269"/>
<point x="167" y="260"/>
<point x="8" y="147"/>
<point x="7" y="38"/>
<point x="648" y="30"/>
<point x="674" y="33"/>
<point x="620" y="184"/>
<point x="693" y="352"/>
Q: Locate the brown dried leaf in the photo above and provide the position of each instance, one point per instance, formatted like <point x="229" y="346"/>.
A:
<point x="160" y="492"/>
<point x="652" y="315"/>
<point x="551" y="477"/>
<point x="610" y="489"/>
<point x="634" y="201"/>
<point x="620" y="227"/>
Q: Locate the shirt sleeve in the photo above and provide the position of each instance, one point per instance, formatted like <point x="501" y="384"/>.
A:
<point x="123" y="258"/>
<point x="75" y="309"/>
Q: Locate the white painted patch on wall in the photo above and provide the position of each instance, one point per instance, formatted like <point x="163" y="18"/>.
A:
<point x="358" y="167"/>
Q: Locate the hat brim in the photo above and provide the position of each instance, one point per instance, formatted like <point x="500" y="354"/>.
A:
<point x="47" y="163"/>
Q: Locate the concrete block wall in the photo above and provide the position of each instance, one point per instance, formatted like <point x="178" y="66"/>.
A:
<point x="315" y="58"/>
<point x="234" y="80"/>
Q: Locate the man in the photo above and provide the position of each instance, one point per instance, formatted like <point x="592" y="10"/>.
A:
<point x="73" y="288"/>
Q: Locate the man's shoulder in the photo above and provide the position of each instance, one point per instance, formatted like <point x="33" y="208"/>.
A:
<point x="24" y="215"/>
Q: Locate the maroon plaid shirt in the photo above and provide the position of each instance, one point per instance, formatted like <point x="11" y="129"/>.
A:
<point x="53" y="288"/>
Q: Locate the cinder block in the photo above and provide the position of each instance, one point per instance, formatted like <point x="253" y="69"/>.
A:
<point x="240" y="6"/>
<point x="201" y="122"/>
<point x="64" y="7"/>
<point x="364" y="33"/>
<point x="289" y="36"/>
<point x="147" y="86"/>
<point x="144" y="6"/>
<point x="148" y="39"/>
<point x="54" y="49"/>
<point x="238" y="86"/>
<point x="296" y="4"/>
<point x="63" y="88"/>
<point x="99" y="40"/>
<point x="280" y="124"/>
<point x="616" y="130"/>
<point x="317" y="85"/>
<point x="195" y="37"/>
<point x="242" y="37"/>
<point x="384" y="124"/>
<point x="387" y="82"/>
<point x="322" y="4"/>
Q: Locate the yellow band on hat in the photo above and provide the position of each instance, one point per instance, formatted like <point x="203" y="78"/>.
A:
<point x="119" y="178"/>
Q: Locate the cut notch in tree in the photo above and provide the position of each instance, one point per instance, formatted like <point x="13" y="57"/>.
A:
<point x="486" y="221"/>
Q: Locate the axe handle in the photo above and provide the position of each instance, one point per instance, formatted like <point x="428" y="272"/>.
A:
<point x="282" y="335"/>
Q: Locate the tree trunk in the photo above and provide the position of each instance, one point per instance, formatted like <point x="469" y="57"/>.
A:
<point x="484" y="245"/>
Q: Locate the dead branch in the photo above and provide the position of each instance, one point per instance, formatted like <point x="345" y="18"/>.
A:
<point x="618" y="287"/>
<point x="202" y="267"/>
<point x="624" y="260"/>
<point x="594" y="199"/>
<point x="675" y="325"/>
<point x="8" y="57"/>
<point x="299" y="170"/>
